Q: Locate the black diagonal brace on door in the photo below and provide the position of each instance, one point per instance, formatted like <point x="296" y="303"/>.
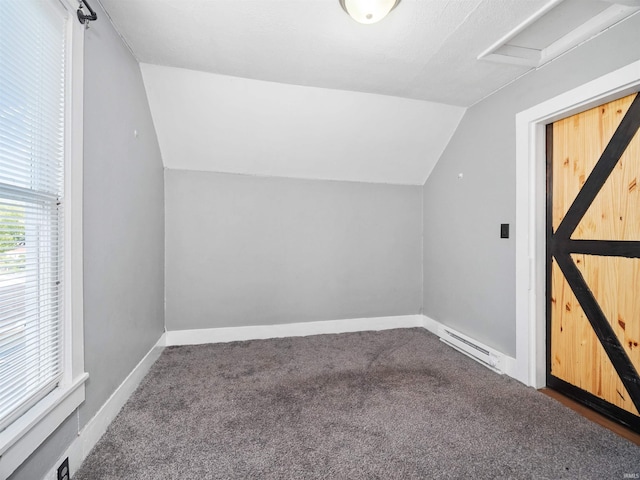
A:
<point x="562" y="246"/>
<point x="607" y="162"/>
<point x="598" y="320"/>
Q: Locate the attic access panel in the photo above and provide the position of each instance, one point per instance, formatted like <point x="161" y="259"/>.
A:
<point x="556" y="28"/>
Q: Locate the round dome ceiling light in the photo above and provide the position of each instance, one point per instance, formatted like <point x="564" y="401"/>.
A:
<point x="368" y="11"/>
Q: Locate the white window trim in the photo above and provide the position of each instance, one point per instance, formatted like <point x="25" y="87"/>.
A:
<point x="20" y="439"/>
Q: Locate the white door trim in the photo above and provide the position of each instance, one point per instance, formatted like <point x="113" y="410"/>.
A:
<point x="530" y="210"/>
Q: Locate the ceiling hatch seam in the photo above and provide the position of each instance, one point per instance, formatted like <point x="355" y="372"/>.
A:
<point x="549" y="62"/>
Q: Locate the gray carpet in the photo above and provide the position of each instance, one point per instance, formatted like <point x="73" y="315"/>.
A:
<point x="397" y="404"/>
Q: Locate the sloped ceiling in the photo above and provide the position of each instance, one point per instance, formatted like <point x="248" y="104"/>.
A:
<point x="219" y="123"/>
<point x="297" y="88"/>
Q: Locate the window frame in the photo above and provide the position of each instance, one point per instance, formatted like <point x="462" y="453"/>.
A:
<point x="25" y="434"/>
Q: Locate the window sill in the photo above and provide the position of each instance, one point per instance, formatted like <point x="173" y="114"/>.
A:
<point x="26" y="434"/>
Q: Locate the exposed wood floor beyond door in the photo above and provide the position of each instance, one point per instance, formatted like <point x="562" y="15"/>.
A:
<point x="594" y="416"/>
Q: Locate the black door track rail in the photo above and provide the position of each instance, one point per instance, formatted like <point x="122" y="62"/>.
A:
<point x="84" y="18"/>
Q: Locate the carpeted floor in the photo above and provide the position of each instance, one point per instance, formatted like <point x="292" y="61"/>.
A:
<point x="396" y="404"/>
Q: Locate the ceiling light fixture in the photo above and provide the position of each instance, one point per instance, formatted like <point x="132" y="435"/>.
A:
<point x="368" y="11"/>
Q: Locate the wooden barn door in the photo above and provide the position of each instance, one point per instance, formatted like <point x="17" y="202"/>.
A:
<point x="593" y="258"/>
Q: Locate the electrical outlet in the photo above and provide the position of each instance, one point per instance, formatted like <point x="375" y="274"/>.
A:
<point x="63" y="470"/>
<point x="504" y="230"/>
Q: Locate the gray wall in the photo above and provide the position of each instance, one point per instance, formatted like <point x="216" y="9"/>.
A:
<point x="123" y="218"/>
<point x="244" y="250"/>
<point x="469" y="272"/>
<point x="123" y="231"/>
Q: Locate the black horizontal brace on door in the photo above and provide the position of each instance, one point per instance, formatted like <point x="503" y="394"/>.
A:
<point x="608" y="409"/>
<point x="607" y="337"/>
<point x="607" y="162"/>
<point x="608" y="248"/>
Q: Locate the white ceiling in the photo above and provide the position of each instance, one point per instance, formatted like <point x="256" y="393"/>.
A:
<point x="296" y="88"/>
<point x="219" y="123"/>
<point x="424" y="49"/>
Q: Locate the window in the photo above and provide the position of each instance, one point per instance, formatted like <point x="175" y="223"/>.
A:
<point x="40" y="236"/>
<point x="31" y="213"/>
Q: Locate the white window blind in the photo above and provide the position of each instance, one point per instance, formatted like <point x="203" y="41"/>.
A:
<point x="32" y="114"/>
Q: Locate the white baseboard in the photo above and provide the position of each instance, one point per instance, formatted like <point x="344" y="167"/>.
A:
<point x="432" y="325"/>
<point x="510" y="367"/>
<point x="95" y="428"/>
<point x="232" y="334"/>
<point x="507" y="363"/>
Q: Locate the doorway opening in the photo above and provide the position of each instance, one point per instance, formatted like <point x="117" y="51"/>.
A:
<point x="531" y="210"/>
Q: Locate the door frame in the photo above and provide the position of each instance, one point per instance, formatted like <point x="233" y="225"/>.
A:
<point x="530" y="236"/>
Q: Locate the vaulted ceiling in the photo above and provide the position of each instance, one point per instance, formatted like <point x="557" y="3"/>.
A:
<point x="425" y="51"/>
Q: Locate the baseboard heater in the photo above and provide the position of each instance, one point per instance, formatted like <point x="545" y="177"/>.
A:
<point x="473" y="349"/>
